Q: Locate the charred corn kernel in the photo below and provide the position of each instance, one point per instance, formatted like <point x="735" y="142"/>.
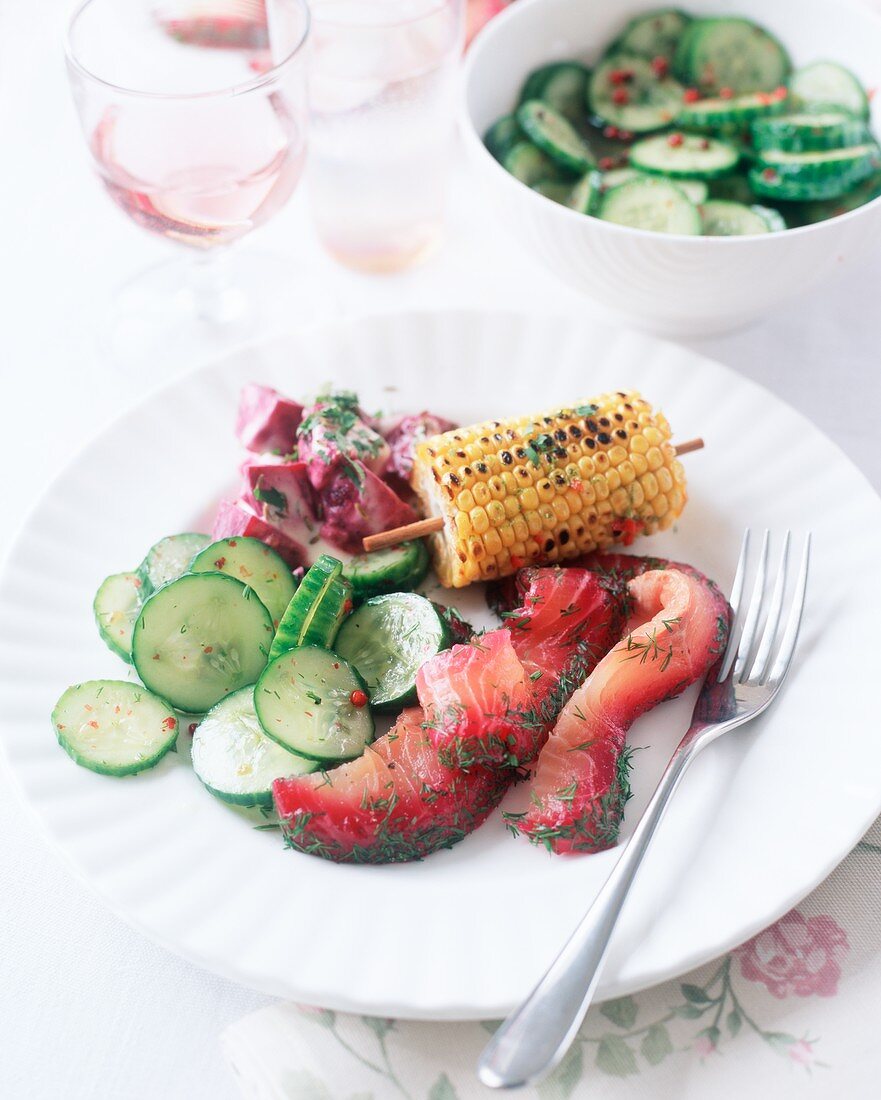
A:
<point x="549" y="487"/>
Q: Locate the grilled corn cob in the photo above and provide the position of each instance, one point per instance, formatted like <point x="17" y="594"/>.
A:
<point x="547" y="488"/>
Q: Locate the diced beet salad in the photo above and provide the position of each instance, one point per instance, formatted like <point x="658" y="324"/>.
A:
<point x="694" y="126"/>
<point x="327" y="471"/>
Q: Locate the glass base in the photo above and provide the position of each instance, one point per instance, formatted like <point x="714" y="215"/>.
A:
<point x="185" y="311"/>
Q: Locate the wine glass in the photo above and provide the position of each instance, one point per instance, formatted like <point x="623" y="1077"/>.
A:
<point x="194" y="112"/>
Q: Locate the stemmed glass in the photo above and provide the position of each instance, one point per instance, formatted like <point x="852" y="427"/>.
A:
<point x="194" y="112"/>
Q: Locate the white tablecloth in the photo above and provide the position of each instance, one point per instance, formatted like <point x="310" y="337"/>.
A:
<point x="88" y="1007"/>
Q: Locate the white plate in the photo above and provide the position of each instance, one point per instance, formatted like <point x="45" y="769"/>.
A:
<point x="761" y="818"/>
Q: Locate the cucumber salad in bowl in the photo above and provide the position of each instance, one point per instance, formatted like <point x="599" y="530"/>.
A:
<point x="693" y="126"/>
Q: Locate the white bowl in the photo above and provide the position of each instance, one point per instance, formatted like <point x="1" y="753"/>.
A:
<point x="668" y="284"/>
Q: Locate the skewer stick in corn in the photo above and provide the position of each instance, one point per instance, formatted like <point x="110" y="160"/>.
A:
<point x="545" y="488"/>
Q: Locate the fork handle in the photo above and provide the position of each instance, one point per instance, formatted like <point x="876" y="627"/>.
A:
<point x="536" y="1035"/>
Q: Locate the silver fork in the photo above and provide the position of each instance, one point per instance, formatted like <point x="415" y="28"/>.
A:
<point x="744" y="683"/>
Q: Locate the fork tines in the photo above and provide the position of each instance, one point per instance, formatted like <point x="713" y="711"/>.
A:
<point x="759" y="648"/>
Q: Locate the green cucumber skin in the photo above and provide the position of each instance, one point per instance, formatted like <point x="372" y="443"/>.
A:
<point x="371" y="619"/>
<point x="263" y="797"/>
<point x="110" y="634"/>
<point x="398" y="576"/>
<point x="697" y="59"/>
<point x="155" y="573"/>
<point x="263" y="689"/>
<point x="193" y="697"/>
<point x="544" y="83"/>
<point x="253" y="563"/>
<point x="788" y="189"/>
<point x="530" y="165"/>
<point x="851" y="95"/>
<point x="555" y="136"/>
<point x="665" y="190"/>
<point x="729" y="115"/>
<point x="502" y="136"/>
<point x="655" y="156"/>
<point x="794" y="133"/>
<point x="636" y="38"/>
<point x="655" y="102"/>
<point x="316" y="610"/>
<point x="854" y="164"/>
<point x="118" y="771"/>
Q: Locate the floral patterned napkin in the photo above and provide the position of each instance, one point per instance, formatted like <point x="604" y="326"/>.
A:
<point x="793" y="1012"/>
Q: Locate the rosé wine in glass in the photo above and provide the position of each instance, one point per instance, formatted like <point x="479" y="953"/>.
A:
<point x="195" y="115"/>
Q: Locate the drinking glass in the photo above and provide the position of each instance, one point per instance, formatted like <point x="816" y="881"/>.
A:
<point x="195" y="116"/>
<point x="382" y="89"/>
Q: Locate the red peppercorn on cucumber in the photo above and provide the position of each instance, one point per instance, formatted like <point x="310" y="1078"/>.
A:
<point x="545" y="488"/>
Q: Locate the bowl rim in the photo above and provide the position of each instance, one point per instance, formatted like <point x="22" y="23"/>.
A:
<point x="474" y="141"/>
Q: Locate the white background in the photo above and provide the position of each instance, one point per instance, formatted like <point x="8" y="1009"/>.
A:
<point x="88" y="1008"/>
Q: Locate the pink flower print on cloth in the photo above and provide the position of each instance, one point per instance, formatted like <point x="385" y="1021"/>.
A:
<point x="797" y="956"/>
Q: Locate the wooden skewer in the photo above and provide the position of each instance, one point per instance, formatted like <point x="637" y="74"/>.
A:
<point x="423" y="527"/>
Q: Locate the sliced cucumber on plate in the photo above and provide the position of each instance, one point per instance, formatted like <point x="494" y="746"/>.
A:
<point x="395" y="569"/>
<point x="625" y="91"/>
<point x="169" y="558"/>
<point x="114" y="727"/>
<point x="562" y="85"/>
<point x="117" y="605"/>
<point x="653" y="34"/>
<point x="680" y="156"/>
<point x="502" y="136"/>
<point x="200" y="638"/>
<point x="655" y="204"/>
<point x="235" y="759"/>
<point x="312" y="702"/>
<point x="387" y="640"/>
<point x="810" y="131"/>
<point x="730" y="53"/>
<point x="830" y="84"/>
<point x="732" y="219"/>
<point x="253" y="563"/>
<point x="529" y="164"/>
<point x="316" y="610"/>
<point x="554" y="135"/>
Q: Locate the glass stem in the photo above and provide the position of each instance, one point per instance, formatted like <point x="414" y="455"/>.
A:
<point x="216" y="299"/>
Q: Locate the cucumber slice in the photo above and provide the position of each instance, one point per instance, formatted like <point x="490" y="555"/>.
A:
<point x="562" y="85"/>
<point x="731" y="114"/>
<point x="309" y="700"/>
<point x="647" y="102"/>
<point x="731" y="53"/>
<point x="117" y="605"/>
<point x="770" y="184"/>
<point x="654" y="34"/>
<point x="235" y="759"/>
<point x="530" y="165"/>
<point x="549" y="131"/>
<point x="253" y="563"/>
<point x="554" y="190"/>
<point x="169" y="558"/>
<point x="812" y="212"/>
<point x="810" y="131"/>
<point x="585" y="195"/>
<point x="114" y="727"/>
<point x="318" y="607"/>
<point x="654" y="204"/>
<point x="773" y="218"/>
<point x="201" y="638"/>
<point x="696" y="190"/>
<point x="502" y="136"/>
<point x="734" y="188"/>
<point x="683" y="155"/>
<point x="396" y="569"/>
<point x="731" y="219"/>
<point x="854" y="164"/>
<point x="388" y="639"/>
<point x="830" y="84"/>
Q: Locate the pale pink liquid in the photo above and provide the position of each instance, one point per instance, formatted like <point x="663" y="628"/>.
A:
<point x="204" y="180"/>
